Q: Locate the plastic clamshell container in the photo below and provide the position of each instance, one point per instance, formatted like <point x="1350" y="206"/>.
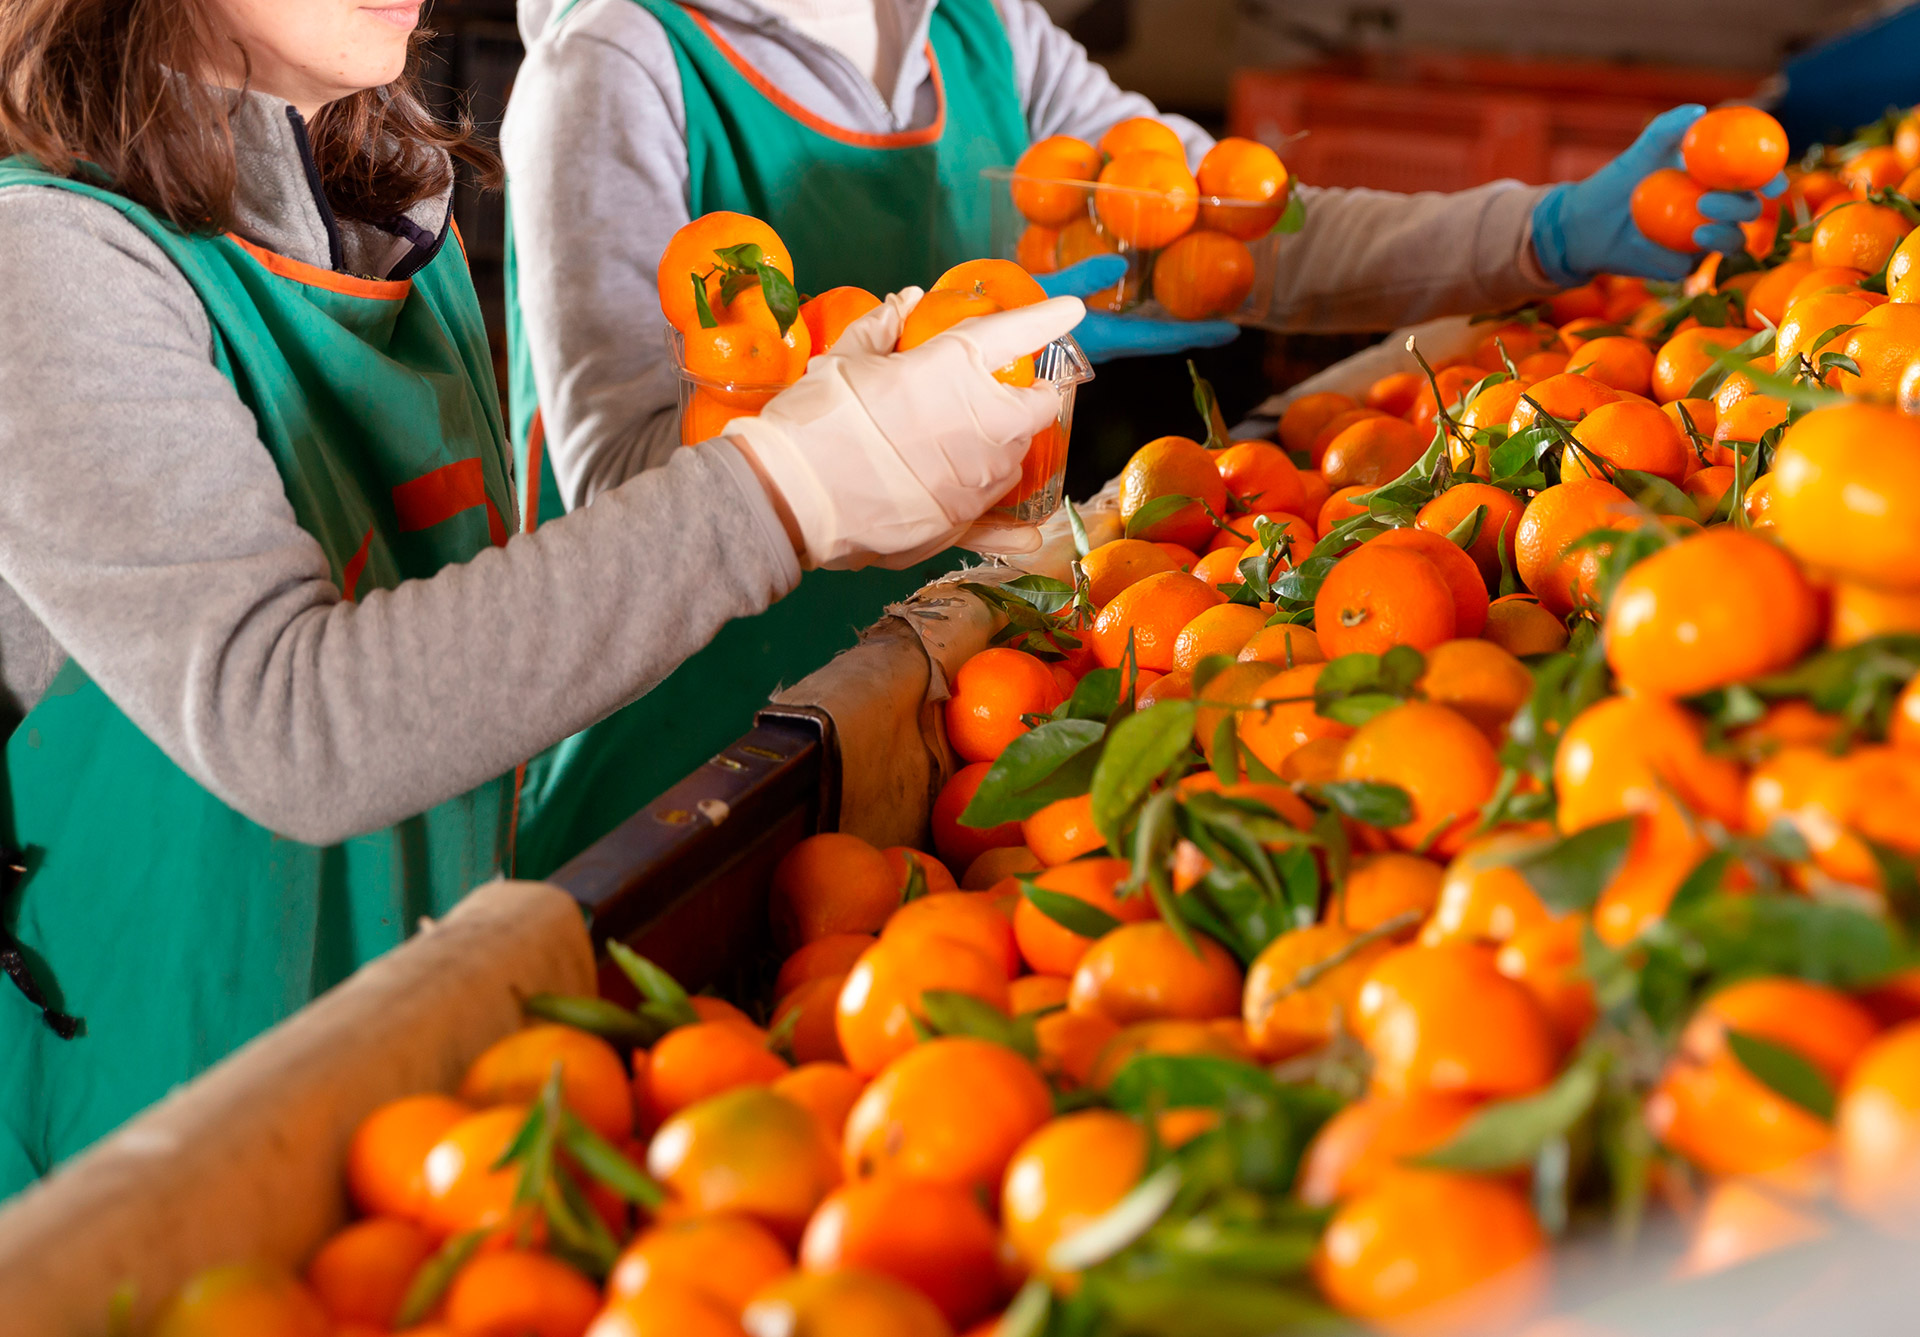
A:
<point x="1239" y="273"/>
<point x="707" y="406"/>
<point x="1043" y="476"/>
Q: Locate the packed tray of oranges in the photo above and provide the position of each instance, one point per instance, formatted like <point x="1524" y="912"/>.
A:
<point x="1199" y="244"/>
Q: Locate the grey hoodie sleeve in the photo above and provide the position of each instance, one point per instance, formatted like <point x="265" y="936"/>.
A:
<point x="596" y="153"/>
<point x="1374" y="260"/>
<point x="146" y="528"/>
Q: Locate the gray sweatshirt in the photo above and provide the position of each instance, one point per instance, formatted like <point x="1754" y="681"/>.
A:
<point x="144" y="533"/>
<point x="595" y="143"/>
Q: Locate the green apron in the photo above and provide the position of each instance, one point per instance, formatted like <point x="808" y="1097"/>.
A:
<point x="878" y="211"/>
<point x="174" y="928"/>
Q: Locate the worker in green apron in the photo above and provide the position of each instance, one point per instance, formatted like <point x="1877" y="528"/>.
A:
<point x="877" y="212"/>
<point x="256" y="530"/>
<point x="225" y="922"/>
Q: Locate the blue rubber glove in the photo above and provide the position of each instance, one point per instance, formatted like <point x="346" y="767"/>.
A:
<point x="1105" y="337"/>
<point x="1583" y="228"/>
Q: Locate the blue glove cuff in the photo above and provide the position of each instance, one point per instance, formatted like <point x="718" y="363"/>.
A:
<point x="1550" y="239"/>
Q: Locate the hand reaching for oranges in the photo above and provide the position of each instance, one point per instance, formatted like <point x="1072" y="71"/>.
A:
<point x="1643" y="215"/>
<point x="886" y="457"/>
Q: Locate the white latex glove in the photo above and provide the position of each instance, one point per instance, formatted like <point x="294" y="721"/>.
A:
<point x="1000" y="540"/>
<point x="887" y="457"/>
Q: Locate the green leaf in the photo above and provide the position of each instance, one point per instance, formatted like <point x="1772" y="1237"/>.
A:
<point x="1347" y="673"/>
<point x="701" y="305"/>
<point x="1401" y="667"/>
<point x="596" y="1016"/>
<point x="1096" y="697"/>
<point x="744" y="256"/>
<point x="782" y="300"/>
<point x="1783" y="1072"/>
<point x="1293" y="217"/>
<point x="1140" y="750"/>
<point x="1159" y="509"/>
<point x="950" y="1012"/>
<point x="1705" y="879"/>
<point x="1508" y="1134"/>
<point x="1352" y="689"/>
<point x="579" y="1237"/>
<point x="1517" y="454"/>
<point x="1043" y="594"/>
<point x="1149" y="1083"/>
<point x="429" y="1284"/>
<point x="1052" y="761"/>
<point x="1248" y="817"/>
<point x="1153" y="842"/>
<point x="1899" y="882"/>
<point x="1264" y="1251"/>
<point x="916" y="882"/>
<point x="1463" y="534"/>
<point x="1122" y="1224"/>
<point x="1570" y="873"/>
<point x="606" y="1164"/>
<point x="1370" y="801"/>
<point x="1206" y="671"/>
<point x="1028" y="1314"/>
<point x="1207" y="404"/>
<point x="1782" y="839"/>
<point x="1782" y="384"/>
<point x="785" y="1026"/>
<point x="1831" y="333"/>
<point x="661" y="991"/>
<point x="1357" y="709"/>
<point x="1655" y="493"/>
<point x="1081" y="543"/>
<point x="1738" y="358"/>
<point x="1195" y="1302"/>
<point x="1226" y="749"/>
<point x="1776" y="933"/>
<point x="1257" y="770"/>
<point x="1232" y="907"/>
<point x="1070" y="912"/>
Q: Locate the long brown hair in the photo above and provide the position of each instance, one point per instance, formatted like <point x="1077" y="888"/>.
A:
<point x="90" y="81"/>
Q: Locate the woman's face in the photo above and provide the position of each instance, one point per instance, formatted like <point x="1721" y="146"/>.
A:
<point x="312" y="52"/>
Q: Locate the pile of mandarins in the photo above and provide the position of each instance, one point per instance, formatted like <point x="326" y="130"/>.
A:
<point x="1132" y="194"/>
<point x="1484" y="809"/>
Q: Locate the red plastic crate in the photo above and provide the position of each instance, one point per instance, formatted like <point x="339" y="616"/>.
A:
<point x="1434" y="121"/>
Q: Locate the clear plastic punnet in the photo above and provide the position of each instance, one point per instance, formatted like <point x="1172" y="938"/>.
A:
<point x="1216" y="260"/>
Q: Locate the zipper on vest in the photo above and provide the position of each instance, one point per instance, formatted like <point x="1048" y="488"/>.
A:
<point x="336" y="254"/>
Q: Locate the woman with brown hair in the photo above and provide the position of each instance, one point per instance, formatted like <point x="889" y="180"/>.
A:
<point x="267" y="660"/>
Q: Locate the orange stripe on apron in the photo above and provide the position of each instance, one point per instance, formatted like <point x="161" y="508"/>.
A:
<point x="356" y="566"/>
<point x="435" y="498"/>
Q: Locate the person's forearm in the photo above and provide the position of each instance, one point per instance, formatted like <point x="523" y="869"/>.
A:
<point x="1371" y="260"/>
<point x="320" y="718"/>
